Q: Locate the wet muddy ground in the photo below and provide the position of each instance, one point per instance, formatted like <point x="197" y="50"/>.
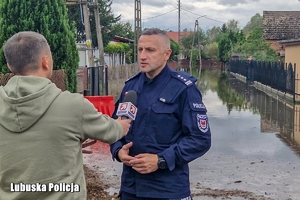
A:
<point x="248" y="159"/>
<point x="214" y="177"/>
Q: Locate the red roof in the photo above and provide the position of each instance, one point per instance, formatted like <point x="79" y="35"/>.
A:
<point x="174" y="35"/>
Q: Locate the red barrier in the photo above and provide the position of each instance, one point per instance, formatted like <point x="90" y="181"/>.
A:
<point x="104" y="104"/>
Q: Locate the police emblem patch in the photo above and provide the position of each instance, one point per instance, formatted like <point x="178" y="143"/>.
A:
<point x="202" y="123"/>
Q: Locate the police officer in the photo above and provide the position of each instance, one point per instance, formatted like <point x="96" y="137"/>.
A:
<point x="171" y="127"/>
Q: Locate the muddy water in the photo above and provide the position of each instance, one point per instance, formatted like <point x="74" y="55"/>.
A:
<point x="255" y="148"/>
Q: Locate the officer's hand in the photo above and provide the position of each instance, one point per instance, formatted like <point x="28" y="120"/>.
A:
<point x="125" y="123"/>
<point x="145" y="163"/>
<point x="123" y="154"/>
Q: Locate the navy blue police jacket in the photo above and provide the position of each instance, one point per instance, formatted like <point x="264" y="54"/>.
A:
<point x="171" y="121"/>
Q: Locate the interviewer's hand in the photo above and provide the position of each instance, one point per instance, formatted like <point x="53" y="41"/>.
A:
<point x="125" y="123"/>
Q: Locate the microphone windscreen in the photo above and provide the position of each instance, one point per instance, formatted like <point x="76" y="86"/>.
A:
<point x="131" y="96"/>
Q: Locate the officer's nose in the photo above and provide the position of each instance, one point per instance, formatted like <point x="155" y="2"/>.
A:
<point x="142" y="55"/>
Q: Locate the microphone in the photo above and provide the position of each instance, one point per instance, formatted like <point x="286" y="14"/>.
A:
<point x="127" y="109"/>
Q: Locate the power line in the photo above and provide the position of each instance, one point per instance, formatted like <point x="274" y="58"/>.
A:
<point x="160" y="14"/>
<point x="188" y="20"/>
<point x="171" y="4"/>
<point x="168" y="4"/>
<point x="204" y="17"/>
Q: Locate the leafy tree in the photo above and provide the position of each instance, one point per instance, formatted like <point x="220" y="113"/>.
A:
<point x="118" y="48"/>
<point x="187" y="41"/>
<point x="256" y="46"/>
<point x="213" y="34"/>
<point x="232" y="25"/>
<point x="255" y="22"/>
<point x="212" y="50"/>
<point x="225" y="47"/>
<point x="51" y="20"/>
<point x="107" y="19"/>
<point x="175" y="50"/>
<point x="224" y="28"/>
<point x="227" y="44"/>
<point x="123" y="29"/>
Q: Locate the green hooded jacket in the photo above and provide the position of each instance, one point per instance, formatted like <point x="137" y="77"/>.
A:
<point x="41" y="130"/>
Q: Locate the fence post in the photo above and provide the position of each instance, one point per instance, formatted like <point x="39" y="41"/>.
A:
<point x="294" y="84"/>
<point x="93" y="79"/>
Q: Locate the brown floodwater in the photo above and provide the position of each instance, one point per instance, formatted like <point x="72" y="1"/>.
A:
<point x="255" y="146"/>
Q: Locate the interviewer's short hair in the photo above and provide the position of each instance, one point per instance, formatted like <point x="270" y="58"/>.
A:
<point x="23" y="51"/>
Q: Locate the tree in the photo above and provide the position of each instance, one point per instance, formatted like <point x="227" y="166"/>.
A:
<point x="255" y="22"/>
<point x="232" y="25"/>
<point x="256" y="46"/>
<point x="123" y="29"/>
<point x="213" y="34"/>
<point x="187" y="41"/>
<point x="212" y="50"/>
<point x="175" y="50"/>
<point x="107" y="19"/>
<point x="224" y="48"/>
<point x="224" y="28"/>
<point x="51" y="20"/>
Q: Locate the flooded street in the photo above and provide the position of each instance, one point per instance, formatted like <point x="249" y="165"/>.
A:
<point x="255" y="146"/>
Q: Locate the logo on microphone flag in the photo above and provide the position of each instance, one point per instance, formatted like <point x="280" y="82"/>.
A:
<point x="123" y="106"/>
<point x="132" y="109"/>
<point x="127" y="109"/>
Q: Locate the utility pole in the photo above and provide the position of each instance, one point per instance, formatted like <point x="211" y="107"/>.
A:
<point x="191" y="58"/>
<point x="94" y="71"/>
<point x="87" y="27"/>
<point x="179" y="32"/>
<point x="137" y="25"/>
<point x="99" y="34"/>
<point x="88" y="34"/>
<point x="199" y="46"/>
<point x="178" y="21"/>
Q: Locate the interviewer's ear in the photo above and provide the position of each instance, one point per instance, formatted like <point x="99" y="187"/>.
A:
<point x="45" y="62"/>
<point x="8" y="66"/>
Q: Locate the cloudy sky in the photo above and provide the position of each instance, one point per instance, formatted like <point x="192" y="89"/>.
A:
<point x="164" y="13"/>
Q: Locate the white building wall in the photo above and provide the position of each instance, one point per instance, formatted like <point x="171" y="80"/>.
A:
<point x="83" y="57"/>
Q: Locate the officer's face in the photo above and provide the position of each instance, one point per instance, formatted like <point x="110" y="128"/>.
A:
<point x="153" y="54"/>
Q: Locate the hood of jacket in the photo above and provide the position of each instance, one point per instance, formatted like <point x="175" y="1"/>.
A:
<point x="23" y="100"/>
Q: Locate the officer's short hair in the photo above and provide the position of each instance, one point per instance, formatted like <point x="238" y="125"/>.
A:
<point x="156" y="31"/>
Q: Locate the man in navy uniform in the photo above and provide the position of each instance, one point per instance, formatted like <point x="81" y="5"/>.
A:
<point x="171" y="127"/>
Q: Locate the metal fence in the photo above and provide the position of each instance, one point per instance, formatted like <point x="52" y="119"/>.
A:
<point x="277" y="75"/>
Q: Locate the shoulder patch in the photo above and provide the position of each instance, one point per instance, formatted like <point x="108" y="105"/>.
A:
<point x="133" y="77"/>
<point x="184" y="78"/>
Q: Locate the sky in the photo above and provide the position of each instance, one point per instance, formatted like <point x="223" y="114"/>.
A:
<point x="163" y="14"/>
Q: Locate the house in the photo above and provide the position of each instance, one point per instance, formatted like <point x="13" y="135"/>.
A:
<point x="280" y="25"/>
<point x="121" y="39"/>
<point x="175" y="36"/>
<point x="292" y="59"/>
<point x="118" y="59"/>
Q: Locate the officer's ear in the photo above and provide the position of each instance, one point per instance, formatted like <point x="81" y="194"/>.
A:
<point x="168" y="53"/>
